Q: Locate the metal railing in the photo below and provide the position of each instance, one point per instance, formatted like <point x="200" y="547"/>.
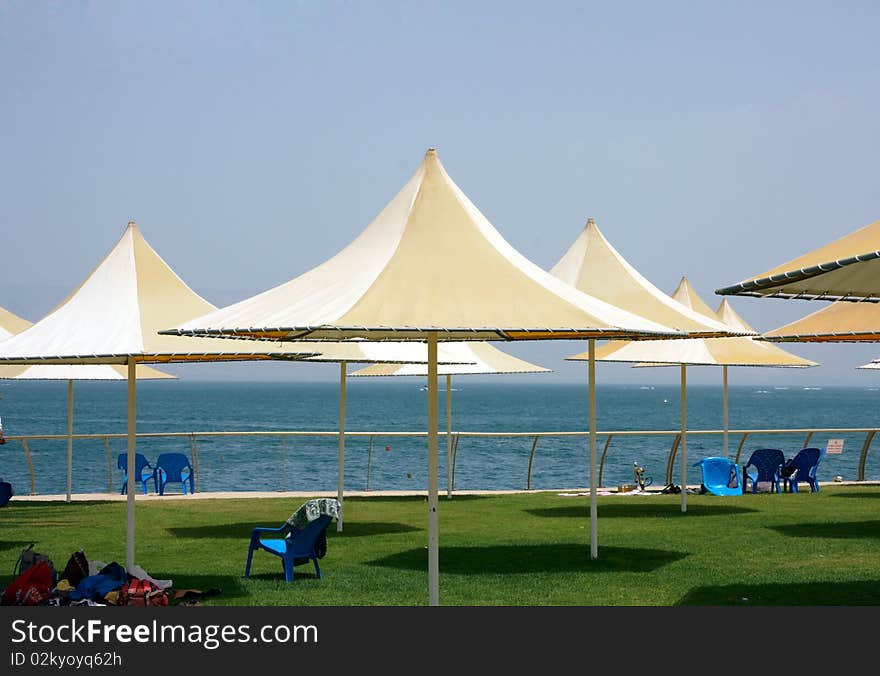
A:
<point x="608" y="436"/>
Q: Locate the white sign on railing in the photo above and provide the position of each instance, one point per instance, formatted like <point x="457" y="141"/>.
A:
<point x="834" y="446"/>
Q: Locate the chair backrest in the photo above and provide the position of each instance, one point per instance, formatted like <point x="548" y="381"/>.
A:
<point x="303" y="541"/>
<point x="767" y="461"/>
<point x="807" y="460"/>
<point x="140" y="461"/>
<point x="720" y="476"/>
<point x="173" y="465"/>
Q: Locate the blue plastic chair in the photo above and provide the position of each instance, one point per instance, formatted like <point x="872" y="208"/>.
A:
<point x="767" y="462"/>
<point x="720" y="476"/>
<point x="805" y="464"/>
<point x="175" y="468"/>
<point x="304" y="537"/>
<point x="5" y="492"/>
<point x="143" y="470"/>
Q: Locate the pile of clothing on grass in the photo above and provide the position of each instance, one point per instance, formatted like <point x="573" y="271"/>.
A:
<point x="92" y="583"/>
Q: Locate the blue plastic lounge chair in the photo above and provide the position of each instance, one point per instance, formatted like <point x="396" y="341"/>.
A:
<point x="720" y="476"/>
<point x="805" y="464"/>
<point x="143" y="470"/>
<point x="304" y="537"/>
<point x="175" y="468"/>
<point x="766" y="463"/>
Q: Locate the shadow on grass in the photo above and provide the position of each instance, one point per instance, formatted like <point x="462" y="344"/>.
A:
<point x="862" y="593"/>
<point x="861" y="494"/>
<point x="242" y="531"/>
<point x="230" y="586"/>
<point x="545" y="558"/>
<point x="5" y="544"/>
<point x="441" y="495"/>
<point x="305" y="571"/>
<point x="37" y="505"/>
<point x="640" y="510"/>
<point x="844" y="530"/>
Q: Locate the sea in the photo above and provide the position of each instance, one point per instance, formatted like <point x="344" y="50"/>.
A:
<point x="384" y="462"/>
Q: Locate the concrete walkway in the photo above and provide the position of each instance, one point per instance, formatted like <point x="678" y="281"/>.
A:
<point x="574" y="492"/>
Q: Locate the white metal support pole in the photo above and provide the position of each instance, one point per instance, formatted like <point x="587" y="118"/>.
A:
<point x="726" y="420"/>
<point x="684" y="447"/>
<point x="340" y="488"/>
<point x="132" y="479"/>
<point x="69" y="438"/>
<point x="594" y="512"/>
<point x="433" y="521"/>
<point x="448" y="437"/>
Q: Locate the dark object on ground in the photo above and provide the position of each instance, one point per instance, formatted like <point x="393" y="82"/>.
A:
<point x="5" y="492"/>
<point x="77" y="568"/>
<point x="186" y="595"/>
<point x="29" y="557"/>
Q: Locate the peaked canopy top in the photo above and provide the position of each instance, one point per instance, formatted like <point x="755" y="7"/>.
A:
<point x="430" y="261"/>
<point x="595" y="267"/>
<point x="11" y="324"/>
<point x="486" y="359"/>
<point x="731" y="351"/>
<point x="839" y="322"/>
<point x="116" y="314"/>
<point x="846" y="269"/>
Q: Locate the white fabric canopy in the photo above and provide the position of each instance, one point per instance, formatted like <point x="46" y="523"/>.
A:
<point x="78" y="372"/>
<point x="595" y="267"/>
<point x="429" y="267"/>
<point x="847" y="268"/>
<point x="724" y="352"/>
<point x="430" y="261"/>
<point x="113" y="318"/>
<point x="10" y="324"/>
<point x="733" y="351"/>
<point x="115" y="314"/>
<point x="840" y="322"/>
<point x="485" y="358"/>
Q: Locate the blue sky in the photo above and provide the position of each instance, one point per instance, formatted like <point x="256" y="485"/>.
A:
<point x="251" y="141"/>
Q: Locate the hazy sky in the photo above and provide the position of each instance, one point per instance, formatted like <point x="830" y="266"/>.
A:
<point x="252" y="141"/>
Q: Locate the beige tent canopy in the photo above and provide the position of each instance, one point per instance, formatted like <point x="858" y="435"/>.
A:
<point x="430" y="267"/>
<point x="474" y="358"/>
<point x="113" y="318"/>
<point x="11" y="324"/>
<point x="846" y="269"/>
<point x="595" y="267"/>
<point x="487" y="360"/>
<point x="734" y="351"/>
<point x="839" y="322"/>
<point x="429" y="263"/>
<point x="724" y="352"/>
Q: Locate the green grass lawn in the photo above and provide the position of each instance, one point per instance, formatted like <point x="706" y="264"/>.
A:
<point x="525" y="549"/>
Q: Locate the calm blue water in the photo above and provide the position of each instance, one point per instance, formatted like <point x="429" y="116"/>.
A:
<point x="29" y="408"/>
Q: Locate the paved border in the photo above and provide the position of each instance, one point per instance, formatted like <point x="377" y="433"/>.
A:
<point x="116" y="497"/>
